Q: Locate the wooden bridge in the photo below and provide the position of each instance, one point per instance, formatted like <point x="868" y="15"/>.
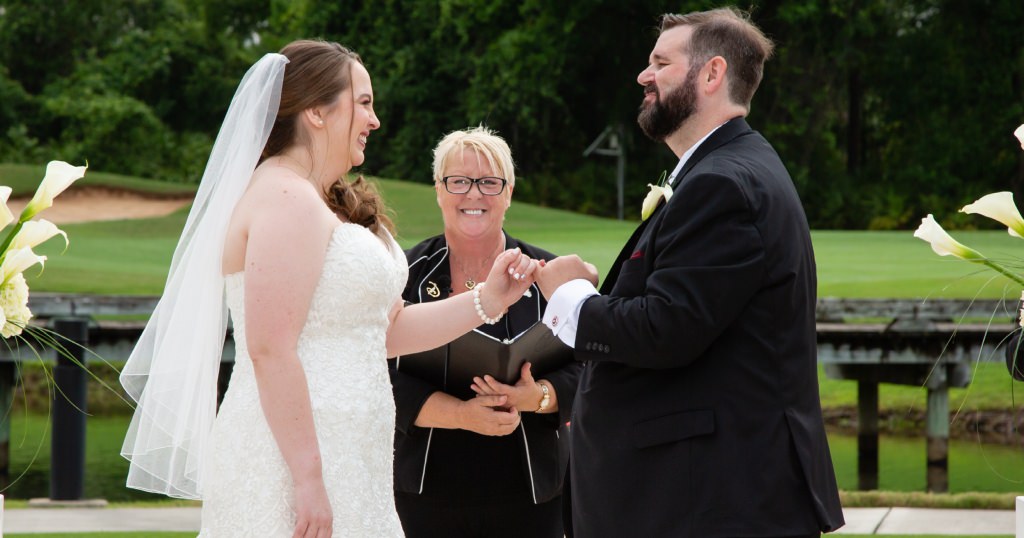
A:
<point x="930" y="344"/>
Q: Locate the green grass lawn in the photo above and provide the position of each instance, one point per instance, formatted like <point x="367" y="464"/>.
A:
<point x="24" y="178"/>
<point x="990" y="388"/>
<point x="131" y="257"/>
<point x="896" y="264"/>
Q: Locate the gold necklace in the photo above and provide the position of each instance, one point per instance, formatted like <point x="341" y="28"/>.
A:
<point x="470" y="282"/>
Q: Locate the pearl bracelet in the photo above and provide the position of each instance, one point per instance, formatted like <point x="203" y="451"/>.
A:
<point x="480" y="309"/>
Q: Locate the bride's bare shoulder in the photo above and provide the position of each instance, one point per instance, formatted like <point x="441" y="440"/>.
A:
<point x="276" y="188"/>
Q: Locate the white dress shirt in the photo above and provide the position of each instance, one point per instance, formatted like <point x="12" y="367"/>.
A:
<point x="563" y="311"/>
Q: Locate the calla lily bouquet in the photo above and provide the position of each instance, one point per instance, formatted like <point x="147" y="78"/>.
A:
<point x="16" y="254"/>
<point x="998" y="206"/>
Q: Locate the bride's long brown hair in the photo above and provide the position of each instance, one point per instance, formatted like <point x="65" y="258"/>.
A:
<point x="317" y="72"/>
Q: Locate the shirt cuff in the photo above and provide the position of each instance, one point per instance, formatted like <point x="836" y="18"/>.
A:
<point x="563" y="311"/>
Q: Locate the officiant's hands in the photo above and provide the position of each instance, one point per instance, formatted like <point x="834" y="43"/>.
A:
<point x="489" y="415"/>
<point x="526" y="394"/>
<point x="561" y="270"/>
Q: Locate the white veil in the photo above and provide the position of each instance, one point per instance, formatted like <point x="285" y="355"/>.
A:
<point x="172" y="372"/>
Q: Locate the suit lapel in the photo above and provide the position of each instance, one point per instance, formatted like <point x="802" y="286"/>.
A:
<point x="624" y="254"/>
<point x="727" y="132"/>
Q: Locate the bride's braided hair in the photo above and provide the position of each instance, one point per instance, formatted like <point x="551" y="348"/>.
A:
<point x="317" y="72"/>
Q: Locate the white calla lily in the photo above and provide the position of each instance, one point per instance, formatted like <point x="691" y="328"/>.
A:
<point x="942" y="243"/>
<point x="1019" y="133"/>
<point x="652" y="199"/>
<point x="59" y="176"/>
<point x="35" y="232"/>
<point x="5" y="212"/>
<point x="999" y="206"/>
<point x="16" y="261"/>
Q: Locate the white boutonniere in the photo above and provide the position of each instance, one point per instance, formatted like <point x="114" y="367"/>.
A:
<point x="659" y="191"/>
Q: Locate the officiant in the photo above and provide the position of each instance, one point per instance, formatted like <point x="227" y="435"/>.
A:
<point x="469" y="464"/>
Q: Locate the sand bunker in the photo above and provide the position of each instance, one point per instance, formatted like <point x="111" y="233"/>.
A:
<point x="96" y="203"/>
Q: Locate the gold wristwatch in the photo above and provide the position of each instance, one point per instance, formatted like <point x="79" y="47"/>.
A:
<point x="545" y="398"/>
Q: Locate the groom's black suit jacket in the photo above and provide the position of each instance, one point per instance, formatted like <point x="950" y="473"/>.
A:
<point x="698" y="412"/>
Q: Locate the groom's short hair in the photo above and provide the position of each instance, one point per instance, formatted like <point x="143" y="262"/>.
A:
<point x="729" y="33"/>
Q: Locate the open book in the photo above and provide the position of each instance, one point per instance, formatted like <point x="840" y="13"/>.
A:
<point x="478" y="354"/>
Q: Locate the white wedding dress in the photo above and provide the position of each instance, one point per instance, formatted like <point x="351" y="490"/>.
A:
<point x="247" y="489"/>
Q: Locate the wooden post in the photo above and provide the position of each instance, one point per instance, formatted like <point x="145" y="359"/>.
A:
<point x="867" y="435"/>
<point x="937" y="434"/>
<point x="7" y="384"/>
<point x="67" y="442"/>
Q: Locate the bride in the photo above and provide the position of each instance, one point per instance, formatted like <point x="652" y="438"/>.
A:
<point x="307" y="266"/>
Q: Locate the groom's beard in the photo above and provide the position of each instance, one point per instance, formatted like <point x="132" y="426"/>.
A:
<point x="662" y="117"/>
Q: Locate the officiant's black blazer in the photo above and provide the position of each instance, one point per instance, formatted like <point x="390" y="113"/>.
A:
<point x="698" y="412"/>
<point x="541" y="439"/>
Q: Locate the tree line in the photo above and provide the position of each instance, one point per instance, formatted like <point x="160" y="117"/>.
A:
<point x="883" y="110"/>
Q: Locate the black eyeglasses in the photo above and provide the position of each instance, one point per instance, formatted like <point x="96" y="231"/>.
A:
<point x="488" y="186"/>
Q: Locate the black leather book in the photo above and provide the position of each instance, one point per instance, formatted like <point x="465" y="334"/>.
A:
<point x="477" y="354"/>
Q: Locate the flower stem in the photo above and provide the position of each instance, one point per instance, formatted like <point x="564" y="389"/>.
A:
<point x="999" y="269"/>
<point x="9" y="238"/>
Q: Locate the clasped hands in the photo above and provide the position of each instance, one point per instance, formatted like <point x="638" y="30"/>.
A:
<point x="521" y="271"/>
<point x="496" y="408"/>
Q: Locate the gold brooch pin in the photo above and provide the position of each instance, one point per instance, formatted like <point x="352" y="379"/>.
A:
<point x="433" y="290"/>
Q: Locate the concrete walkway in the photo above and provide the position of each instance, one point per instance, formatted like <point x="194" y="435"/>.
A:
<point x="39" y="520"/>
<point x="927" y="521"/>
<point x="858" y="520"/>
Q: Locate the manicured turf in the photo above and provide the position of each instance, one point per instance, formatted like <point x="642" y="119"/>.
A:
<point x="131" y="257"/>
<point x="990" y="388"/>
<point x="896" y="264"/>
<point x="24" y="178"/>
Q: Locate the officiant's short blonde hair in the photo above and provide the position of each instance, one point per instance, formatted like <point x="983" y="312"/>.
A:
<point x="485" y="142"/>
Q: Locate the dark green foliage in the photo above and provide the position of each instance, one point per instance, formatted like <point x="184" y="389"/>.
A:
<point x="883" y="110"/>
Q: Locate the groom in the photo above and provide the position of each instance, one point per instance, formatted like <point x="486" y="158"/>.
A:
<point x="698" y="413"/>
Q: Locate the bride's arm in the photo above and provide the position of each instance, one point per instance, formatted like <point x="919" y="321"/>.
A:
<point x="285" y="250"/>
<point x="424" y="326"/>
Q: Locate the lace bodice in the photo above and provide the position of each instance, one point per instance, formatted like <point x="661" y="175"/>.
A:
<point x="247" y="489"/>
